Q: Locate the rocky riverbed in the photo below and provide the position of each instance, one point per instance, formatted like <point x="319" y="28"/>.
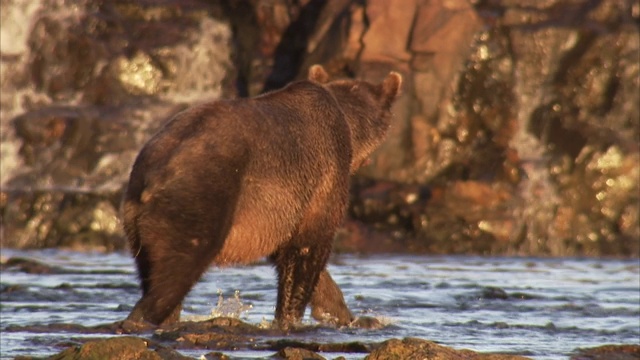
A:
<point x="409" y="307"/>
<point x="215" y="337"/>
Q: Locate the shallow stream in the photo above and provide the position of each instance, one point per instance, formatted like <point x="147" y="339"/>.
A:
<point x="542" y="308"/>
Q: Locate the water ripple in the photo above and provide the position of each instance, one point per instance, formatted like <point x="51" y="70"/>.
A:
<point x="544" y="308"/>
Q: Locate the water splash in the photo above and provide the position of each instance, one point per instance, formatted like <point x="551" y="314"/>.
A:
<point x="232" y="307"/>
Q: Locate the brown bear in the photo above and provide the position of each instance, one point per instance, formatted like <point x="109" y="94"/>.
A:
<point x="232" y="181"/>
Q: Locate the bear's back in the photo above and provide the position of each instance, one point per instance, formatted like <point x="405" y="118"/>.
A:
<point x="299" y="127"/>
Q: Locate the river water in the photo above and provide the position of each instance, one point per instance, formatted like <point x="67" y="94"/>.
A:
<point x="542" y="308"/>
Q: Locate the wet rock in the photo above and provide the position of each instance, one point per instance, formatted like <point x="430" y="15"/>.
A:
<point x="29" y="266"/>
<point x="128" y="347"/>
<point x="222" y="334"/>
<point x="216" y="356"/>
<point x="66" y="328"/>
<point x="352" y="347"/>
<point x="218" y="341"/>
<point x="8" y="289"/>
<point x="414" y="348"/>
<point x="608" y="352"/>
<point x="290" y="353"/>
<point x="218" y="333"/>
<point x="128" y="327"/>
<point x="493" y="293"/>
<point x="231" y="324"/>
<point x="367" y="322"/>
<point x="125" y="348"/>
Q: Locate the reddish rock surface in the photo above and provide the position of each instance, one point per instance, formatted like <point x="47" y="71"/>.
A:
<point x="608" y="352"/>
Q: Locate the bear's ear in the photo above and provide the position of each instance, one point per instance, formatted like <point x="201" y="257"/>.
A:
<point x="391" y="87"/>
<point x="318" y="74"/>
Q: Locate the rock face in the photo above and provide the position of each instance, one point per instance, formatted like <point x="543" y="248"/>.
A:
<point x="517" y="132"/>
<point x="92" y="83"/>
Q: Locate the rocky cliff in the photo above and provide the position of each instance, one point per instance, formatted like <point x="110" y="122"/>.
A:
<point x="517" y="131"/>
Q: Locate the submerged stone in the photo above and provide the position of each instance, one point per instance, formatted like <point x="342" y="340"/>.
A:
<point x="29" y="266"/>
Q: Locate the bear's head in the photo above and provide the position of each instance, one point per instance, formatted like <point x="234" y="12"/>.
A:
<point x="366" y="106"/>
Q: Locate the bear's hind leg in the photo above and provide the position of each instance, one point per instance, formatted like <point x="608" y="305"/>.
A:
<point x="327" y="302"/>
<point x="166" y="277"/>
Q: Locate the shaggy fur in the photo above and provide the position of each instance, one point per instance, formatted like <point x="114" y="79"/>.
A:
<point x="232" y="181"/>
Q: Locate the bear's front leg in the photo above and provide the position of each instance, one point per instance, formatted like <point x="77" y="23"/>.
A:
<point x="298" y="271"/>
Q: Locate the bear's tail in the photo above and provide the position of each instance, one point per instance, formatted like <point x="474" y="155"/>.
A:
<point x="131" y="207"/>
<point x="130" y="210"/>
<point x="132" y="203"/>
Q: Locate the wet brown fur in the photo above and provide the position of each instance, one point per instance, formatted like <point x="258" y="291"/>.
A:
<point x="232" y="181"/>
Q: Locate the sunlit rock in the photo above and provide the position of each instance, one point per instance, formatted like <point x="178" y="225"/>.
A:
<point x="520" y="119"/>
<point x="414" y="348"/>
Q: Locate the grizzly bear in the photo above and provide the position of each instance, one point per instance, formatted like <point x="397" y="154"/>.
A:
<point x="232" y="181"/>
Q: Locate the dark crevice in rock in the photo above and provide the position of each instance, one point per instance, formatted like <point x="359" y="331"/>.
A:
<point x="289" y="54"/>
<point x="245" y="34"/>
